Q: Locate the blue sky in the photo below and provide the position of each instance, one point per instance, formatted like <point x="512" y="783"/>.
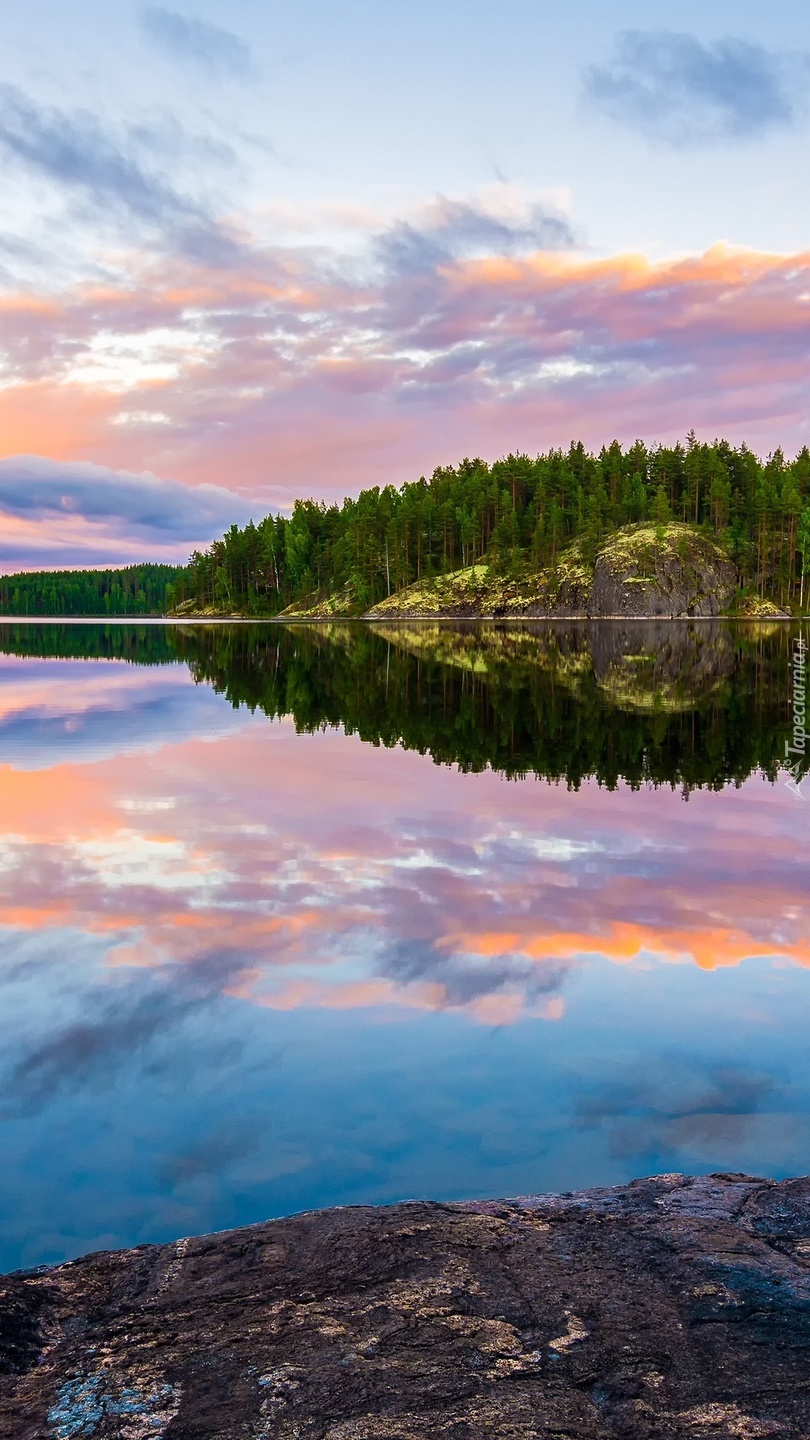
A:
<point x="383" y="106"/>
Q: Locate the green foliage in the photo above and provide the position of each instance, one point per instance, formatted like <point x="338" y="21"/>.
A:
<point x="517" y="514"/>
<point x="703" y="707"/>
<point x="683" y="705"/>
<point x="136" y="590"/>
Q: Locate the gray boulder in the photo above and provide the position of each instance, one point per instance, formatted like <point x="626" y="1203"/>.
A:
<point x="670" y="570"/>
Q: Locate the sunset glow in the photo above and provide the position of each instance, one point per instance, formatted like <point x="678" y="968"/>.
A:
<point x="404" y="577"/>
<point x="517" y="887"/>
<point x="283" y="283"/>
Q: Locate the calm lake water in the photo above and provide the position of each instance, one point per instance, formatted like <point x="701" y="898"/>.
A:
<point x="309" y="915"/>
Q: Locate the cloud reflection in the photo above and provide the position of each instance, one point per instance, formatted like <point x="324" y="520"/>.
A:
<point x="56" y="712"/>
<point x="681" y="1105"/>
<point x="347" y="877"/>
<point x="119" y="1024"/>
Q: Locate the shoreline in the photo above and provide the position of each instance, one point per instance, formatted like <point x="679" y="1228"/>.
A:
<point x="400" y="619"/>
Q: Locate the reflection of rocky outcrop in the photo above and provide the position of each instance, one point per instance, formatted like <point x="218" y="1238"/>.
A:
<point x="659" y="665"/>
<point x="637" y="665"/>
<point x="671" y="1307"/>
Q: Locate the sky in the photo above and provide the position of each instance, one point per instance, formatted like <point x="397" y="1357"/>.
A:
<point x="250" y="252"/>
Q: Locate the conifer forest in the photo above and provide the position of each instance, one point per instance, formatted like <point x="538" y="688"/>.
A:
<point x="517" y="514"/>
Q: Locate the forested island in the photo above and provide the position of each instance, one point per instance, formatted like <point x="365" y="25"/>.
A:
<point x="692" y="529"/>
<point x="513" y="524"/>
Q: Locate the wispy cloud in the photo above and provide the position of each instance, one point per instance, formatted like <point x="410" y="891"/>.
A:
<point x="127" y="1020"/>
<point x="468" y="979"/>
<point x="673" y="88"/>
<point x="74" y="150"/>
<point x="457" y="229"/>
<point x="75" y="153"/>
<point x="218" y="52"/>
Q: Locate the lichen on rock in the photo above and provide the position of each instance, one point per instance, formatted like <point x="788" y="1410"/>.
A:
<point x="642" y="571"/>
<point x="669" y="570"/>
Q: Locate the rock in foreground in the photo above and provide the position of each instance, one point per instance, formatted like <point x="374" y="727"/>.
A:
<point x="670" y="1307"/>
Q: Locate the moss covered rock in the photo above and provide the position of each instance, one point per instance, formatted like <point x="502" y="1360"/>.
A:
<point x="641" y="571"/>
<point x="669" y="570"/>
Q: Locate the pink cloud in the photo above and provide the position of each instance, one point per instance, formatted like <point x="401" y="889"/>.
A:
<point x="337" y="875"/>
<point x="304" y="374"/>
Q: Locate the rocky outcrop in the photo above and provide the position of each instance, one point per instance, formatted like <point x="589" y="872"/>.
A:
<point x="671" y="571"/>
<point x="656" y="666"/>
<point x="672" y="1307"/>
<point x="643" y="571"/>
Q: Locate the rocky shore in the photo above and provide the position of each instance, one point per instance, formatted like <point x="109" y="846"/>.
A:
<point x="671" y="1307"/>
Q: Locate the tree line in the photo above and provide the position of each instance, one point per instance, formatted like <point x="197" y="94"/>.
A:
<point x="137" y="644"/>
<point x="517" y="514"/>
<point x="134" y="590"/>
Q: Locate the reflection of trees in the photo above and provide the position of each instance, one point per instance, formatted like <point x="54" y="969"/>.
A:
<point x="701" y="704"/>
<point x="680" y="704"/>
<point x="648" y="665"/>
<point x="140" y="644"/>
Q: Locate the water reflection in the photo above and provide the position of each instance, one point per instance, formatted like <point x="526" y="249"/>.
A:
<point x="253" y="967"/>
<point x="702" y="703"/>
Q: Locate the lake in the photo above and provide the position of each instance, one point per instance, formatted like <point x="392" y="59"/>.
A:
<point x="312" y="915"/>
